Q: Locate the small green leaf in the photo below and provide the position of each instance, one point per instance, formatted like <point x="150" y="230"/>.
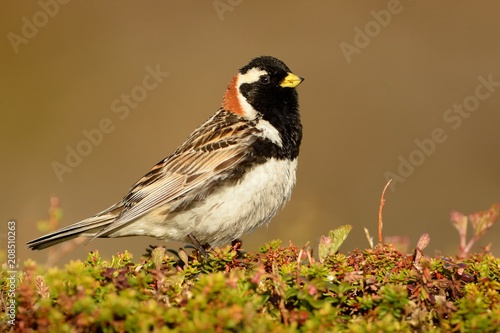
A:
<point x="43" y="226"/>
<point x="329" y="245"/>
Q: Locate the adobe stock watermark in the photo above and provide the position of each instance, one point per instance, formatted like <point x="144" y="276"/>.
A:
<point x="120" y="108"/>
<point x="31" y="26"/>
<point x="363" y="37"/>
<point x="453" y="118"/>
<point x="224" y="6"/>
<point x="11" y="281"/>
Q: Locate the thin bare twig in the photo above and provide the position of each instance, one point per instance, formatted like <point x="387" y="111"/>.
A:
<point x="380" y="223"/>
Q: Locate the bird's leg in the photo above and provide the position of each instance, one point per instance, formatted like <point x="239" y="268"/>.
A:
<point x="198" y="245"/>
<point x="207" y="247"/>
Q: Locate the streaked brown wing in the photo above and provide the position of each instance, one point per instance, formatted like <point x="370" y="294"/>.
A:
<point x="209" y="153"/>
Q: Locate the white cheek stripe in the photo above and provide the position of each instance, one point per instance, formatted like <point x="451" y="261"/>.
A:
<point x="268" y="131"/>
<point x="251" y="76"/>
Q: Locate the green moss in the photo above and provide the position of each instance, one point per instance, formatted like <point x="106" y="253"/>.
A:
<point x="278" y="289"/>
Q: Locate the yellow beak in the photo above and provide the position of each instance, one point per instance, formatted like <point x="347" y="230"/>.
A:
<point x="291" y="81"/>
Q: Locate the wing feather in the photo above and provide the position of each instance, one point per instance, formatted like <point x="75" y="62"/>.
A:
<point x="209" y="154"/>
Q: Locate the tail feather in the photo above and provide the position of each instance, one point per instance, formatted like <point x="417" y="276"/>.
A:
<point x="88" y="227"/>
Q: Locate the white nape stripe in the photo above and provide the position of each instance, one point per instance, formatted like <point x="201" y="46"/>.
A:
<point x="251" y="76"/>
<point x="269" y="132"/>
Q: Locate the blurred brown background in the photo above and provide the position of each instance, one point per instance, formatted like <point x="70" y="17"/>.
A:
<point x="362" y="112"/>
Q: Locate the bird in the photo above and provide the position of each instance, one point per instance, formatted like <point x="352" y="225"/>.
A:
<point x="232" y="174"/>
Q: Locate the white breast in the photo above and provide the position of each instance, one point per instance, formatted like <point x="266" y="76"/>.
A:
<point x="235" y="210"/>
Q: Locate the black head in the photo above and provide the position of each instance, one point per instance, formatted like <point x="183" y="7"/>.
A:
<point x="267" y="84"/>
<point x="267" y="63"/>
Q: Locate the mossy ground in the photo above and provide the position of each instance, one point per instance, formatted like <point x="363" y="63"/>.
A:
<point x="278" y="289"/>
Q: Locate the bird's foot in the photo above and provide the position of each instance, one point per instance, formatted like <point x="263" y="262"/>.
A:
<point x="201" y="248"/>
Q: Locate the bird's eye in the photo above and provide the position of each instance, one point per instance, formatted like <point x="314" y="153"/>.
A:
<point x="265" y="79"/>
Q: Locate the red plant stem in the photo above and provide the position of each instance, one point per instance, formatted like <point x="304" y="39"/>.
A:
<point x="380" y="209"/>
